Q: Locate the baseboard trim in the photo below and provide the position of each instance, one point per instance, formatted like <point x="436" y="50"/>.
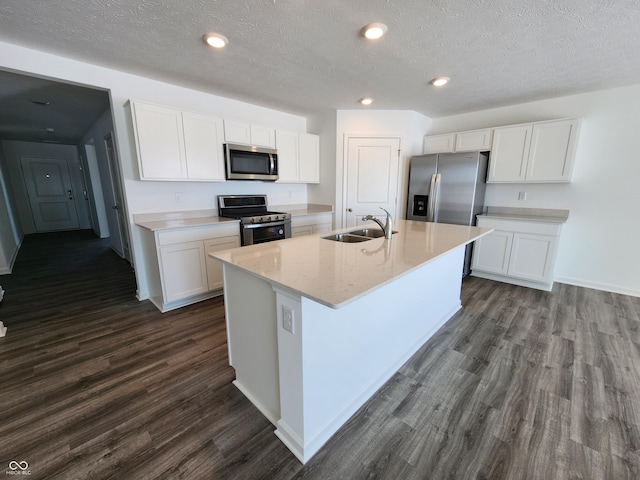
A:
<point x="606" y="287"/>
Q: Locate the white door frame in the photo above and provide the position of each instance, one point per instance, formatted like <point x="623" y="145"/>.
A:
<point x="342" y="167"/>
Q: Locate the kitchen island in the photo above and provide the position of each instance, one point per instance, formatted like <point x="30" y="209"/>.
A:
<point x="316" y="326"/>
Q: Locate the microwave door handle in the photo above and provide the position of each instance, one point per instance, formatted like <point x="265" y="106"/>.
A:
<point x="272" y="165"/>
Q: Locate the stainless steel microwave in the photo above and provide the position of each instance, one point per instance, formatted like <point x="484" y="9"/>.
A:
<point x="248" y="162"/>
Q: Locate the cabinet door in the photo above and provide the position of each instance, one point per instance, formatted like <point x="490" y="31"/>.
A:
<point x="263" y="136"/>
<point x="532" y="257"/>
<point x="491" y="253"/>
<point x="287" y="145"/>
<point x="309" y="158"/>
<point x="509" y="153"/>
<point x="552" y="151"/>
<point x="160" y="142"/>
<point x="237" y="132"/>
<point x="474" y="140"/>
<point x="439" y="143"/>
<point x="214" y="267"/>
<point x="203" y="138"/>
<point x="302" y="230"/>
<point x="183" y="270"/>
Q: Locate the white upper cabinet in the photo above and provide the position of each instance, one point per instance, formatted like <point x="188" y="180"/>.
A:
<point x="298" y="157"/>
<point x="203" y="142"/>
<point x="470" y="141"/>
<point x="176" y="145"/>
<point x="509" y="153"/>
<point x="439" y="143"/>
<point x="159" y="141"/>
<point x="309" y="158"/>
<point x="541" y="152"/>
<point x="248" y="134"/>
<point x="552" y="151"/>
<point x="474" y="140"/>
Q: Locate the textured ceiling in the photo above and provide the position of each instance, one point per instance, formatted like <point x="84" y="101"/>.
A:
<point x="305" y="56"/>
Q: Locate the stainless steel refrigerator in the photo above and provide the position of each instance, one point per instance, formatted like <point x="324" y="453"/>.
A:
<point x="448" y="188"/>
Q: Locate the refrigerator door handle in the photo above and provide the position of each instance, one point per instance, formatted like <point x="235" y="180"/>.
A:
<point x="432" y="198"/>
<point x="436" y="198"/>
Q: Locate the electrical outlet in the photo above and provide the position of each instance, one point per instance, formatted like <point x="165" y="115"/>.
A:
<point x="522" y="195"/>
<point x="178" y="197"/>
<point x="288" y="322"/>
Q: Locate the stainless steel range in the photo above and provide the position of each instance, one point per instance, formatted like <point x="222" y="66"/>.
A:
<point x="257" y="224"/>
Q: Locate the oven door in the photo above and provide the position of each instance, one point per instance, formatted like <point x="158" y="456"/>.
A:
<point x="265" y="232"/>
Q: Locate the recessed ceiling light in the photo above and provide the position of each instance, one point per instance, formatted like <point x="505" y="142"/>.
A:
<point x="439" y="81"/>
<point x="366" y="101"/>
<point x="215" y="40"/>
<point x="374" y="31"/>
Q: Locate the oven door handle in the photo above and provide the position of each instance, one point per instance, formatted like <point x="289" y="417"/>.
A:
<point x="269" y="224"/>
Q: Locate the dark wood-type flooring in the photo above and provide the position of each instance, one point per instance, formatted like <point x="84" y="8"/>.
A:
<point x="520" y="384"/>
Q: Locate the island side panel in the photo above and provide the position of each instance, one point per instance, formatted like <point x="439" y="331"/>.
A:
<point x="250" y="310"/>
<point x="336" y="359"/>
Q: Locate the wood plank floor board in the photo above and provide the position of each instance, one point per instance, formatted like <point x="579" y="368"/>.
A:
<point x="520" y="384"/>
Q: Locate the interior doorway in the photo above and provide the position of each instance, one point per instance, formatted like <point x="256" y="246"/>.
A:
<point x="119" y="206"/>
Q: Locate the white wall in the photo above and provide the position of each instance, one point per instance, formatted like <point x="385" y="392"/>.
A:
<point x="324" y="126"/>
<point x="157" y="196"/>
<point x="598" y="246"/>
<point x="410" y="126"/>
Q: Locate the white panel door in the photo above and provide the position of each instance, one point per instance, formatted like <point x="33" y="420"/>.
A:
<point x="371" y="177"/>
<point x="50" y="194"/>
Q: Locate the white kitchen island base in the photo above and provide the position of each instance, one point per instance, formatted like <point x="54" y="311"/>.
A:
<point x="309" y="367"/>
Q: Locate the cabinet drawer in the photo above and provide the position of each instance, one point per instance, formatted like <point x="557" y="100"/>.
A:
<point x="522" y="226"/>
<point x="179" y="235"/>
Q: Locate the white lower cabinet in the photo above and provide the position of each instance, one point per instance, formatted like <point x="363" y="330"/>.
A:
<point x="214" y="267"/>
<point x="518" y="252"/>
<point x="185" y="273"/>
<point x="309" y="224"/>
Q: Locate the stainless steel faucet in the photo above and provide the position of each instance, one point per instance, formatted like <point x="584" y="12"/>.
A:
<point x="387" y="228"/>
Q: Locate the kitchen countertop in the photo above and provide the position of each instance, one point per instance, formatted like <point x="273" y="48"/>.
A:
<point x="200" y="218"/>
<point x="335" y="273"/>
<point x="527" y="214"/>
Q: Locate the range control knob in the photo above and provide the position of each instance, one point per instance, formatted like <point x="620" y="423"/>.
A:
<point x="252" y="220"/>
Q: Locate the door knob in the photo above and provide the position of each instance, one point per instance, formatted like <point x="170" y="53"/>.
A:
<point x="349" y="209"/>
<point x="70" y="194"/>
<point x="115" y="207"/>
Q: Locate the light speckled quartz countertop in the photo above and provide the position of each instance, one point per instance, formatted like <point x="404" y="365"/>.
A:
<point x="527" y="214"/>
<point x="201" y="218"/>
<point x="335" y="273"/>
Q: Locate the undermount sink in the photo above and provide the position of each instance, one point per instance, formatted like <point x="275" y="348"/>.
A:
<point x="357" y="236"/>
<point x="346" y="238"/>
<point x="368" y="232"/>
